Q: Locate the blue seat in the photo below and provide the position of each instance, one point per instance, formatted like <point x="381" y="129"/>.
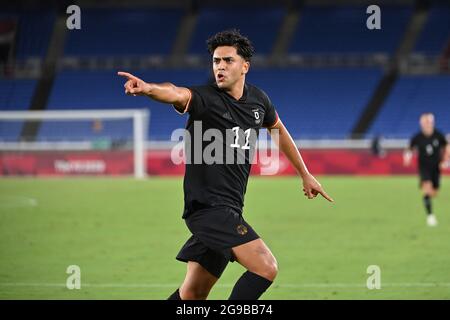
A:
<point x="412" y="96"/>
<point x="34" y="29"/>
<point x="343" y="30"/>
<point x="318" y="103"/>
<point x="125" y="32"/>
<point x="15" y="95"/>
<point x="261" y="25"/>
<point x="436" y="33"/>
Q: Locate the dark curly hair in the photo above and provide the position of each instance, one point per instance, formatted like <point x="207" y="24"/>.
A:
<point x="232" y="38"/>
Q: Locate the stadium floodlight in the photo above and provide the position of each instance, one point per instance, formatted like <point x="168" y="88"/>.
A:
<point x="122" y="129"/>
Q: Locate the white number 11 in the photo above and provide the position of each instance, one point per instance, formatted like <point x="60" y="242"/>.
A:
<point x="236" y="139"/>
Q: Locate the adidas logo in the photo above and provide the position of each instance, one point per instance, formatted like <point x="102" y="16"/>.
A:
<point x="227" y="115"/>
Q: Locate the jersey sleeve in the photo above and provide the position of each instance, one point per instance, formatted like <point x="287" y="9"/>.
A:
<point x="271" y="116"/>
<point x="196" y="104"/>
<point x="187" y="106"/>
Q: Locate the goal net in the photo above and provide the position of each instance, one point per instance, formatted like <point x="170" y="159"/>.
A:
<point x="74" y="142"/>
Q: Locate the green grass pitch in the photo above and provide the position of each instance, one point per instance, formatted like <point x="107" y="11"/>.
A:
<point x="124" y="235"/>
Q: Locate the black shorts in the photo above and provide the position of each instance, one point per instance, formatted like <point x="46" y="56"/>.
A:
<point x="215" y="231"/>
<point x="430" y="173"/>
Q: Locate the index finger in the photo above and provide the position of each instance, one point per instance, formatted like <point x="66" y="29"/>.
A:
<point x="126" y="74"/>
<point x="325" y="195"/>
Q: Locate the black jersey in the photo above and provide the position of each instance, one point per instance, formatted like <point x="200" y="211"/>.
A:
<point x="227" y="129"/>
<point x="430" y="148"/>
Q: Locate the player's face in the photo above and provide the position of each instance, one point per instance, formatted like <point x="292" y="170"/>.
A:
<point x="427" y="124"/>
<point x="228" y="67"/>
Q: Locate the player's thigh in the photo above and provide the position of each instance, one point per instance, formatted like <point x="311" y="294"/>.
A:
<point x="198" y="281"/>
<point x="256" y="257"/>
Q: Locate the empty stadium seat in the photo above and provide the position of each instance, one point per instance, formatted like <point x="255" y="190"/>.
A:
<point x="34" y="29"/>
<point x="261" y="25"/>
<point x="343" y="30"/>
<point x="318" y="103"/>
<point x="412" y="96"/>
<point x="15" y="95"/>
<point x="124" y="32"/>
<point x="436" y="32"/>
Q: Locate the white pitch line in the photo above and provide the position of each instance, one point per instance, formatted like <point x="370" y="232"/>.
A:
<point x="287" y="285"/>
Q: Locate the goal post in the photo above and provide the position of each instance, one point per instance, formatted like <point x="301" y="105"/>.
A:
<point x="137" y="118"/>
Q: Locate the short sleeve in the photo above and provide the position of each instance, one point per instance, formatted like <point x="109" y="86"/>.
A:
<point x="187" y="106"/>
<point x="196" y="103"/>
<point x="271" y="116"/>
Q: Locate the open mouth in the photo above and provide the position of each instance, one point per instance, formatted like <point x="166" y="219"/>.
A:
<point x="220" y="77"/>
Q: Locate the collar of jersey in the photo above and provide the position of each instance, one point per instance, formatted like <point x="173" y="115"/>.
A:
<point x="244" y="94"/>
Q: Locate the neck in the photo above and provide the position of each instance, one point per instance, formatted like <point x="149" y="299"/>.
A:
<point x="237" y="90"/>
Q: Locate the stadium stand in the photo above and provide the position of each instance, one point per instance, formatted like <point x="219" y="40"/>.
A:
<point x="343" y="29"/>
<point x="318" y="103"/>
<point x="124" y="32"/>
<point x="436" y="32"/>
<point x="411" y="96"/>
<point x="30" y="43"/>
<point x="261" y="25"/>
<point x="14" y="95"/>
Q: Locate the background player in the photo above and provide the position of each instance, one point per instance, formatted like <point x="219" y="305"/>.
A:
<point x="434" y="153"/>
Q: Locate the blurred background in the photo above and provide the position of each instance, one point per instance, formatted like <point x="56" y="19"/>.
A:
<point x="350" y="96"/>
<point x="334" y="82"/>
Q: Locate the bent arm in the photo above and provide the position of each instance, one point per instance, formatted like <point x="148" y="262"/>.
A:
<point x="286" y="144"/>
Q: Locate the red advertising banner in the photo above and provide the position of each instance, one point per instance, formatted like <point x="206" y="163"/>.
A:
<point x="330" y="161"/>
<point x="66" y="163"/>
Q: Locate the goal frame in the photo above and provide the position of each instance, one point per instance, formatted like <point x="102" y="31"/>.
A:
<point x="139" y="117"/>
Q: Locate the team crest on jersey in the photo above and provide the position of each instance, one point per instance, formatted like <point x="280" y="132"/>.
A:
<point x="257" y="116"/>
<point x="436" y="143"/>
<point x="241" y="229"/>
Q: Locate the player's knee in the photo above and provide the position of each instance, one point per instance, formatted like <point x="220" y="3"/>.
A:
<point x="427" y="191"/>
<point x="269" y="270"/>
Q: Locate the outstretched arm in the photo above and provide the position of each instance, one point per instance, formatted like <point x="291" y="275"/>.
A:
<point x="162" y="92"/>
<point x="286" y="144"/>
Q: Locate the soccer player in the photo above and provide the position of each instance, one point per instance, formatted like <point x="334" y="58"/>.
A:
<point x="214" y="193"/>
<point x="434" y="154"/>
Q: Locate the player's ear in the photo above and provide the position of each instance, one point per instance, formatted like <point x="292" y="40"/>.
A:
<point x="246" y="67"/>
